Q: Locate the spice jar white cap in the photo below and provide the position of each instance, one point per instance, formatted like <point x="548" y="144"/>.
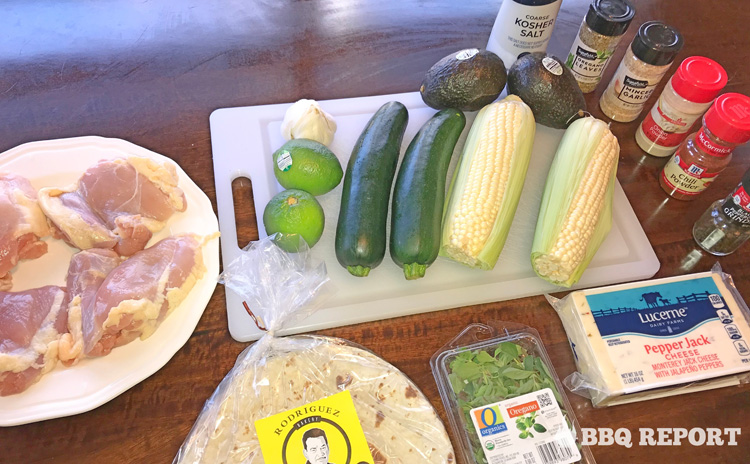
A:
<point x="656" y="43"/>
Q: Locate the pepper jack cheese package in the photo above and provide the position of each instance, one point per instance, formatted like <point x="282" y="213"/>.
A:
<point x="643" y="340"/>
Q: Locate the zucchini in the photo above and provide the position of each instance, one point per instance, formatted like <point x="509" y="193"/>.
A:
<point x="360" y="232"/>
<point x="419" y="194"/>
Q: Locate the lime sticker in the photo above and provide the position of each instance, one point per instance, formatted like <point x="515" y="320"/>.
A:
<point x="284" y="161"/>
<point x="552" y="66"/>
<point x="466" y="54"/>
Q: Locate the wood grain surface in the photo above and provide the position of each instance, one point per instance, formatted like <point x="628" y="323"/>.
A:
<point x="151" y="72"/>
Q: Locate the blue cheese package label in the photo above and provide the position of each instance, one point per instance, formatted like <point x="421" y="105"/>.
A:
<point x="645" y="336"/>
<point x="663" y="311"/>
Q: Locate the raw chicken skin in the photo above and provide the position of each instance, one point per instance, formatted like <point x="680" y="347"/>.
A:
<point x="136" y="296"/>
<point x="22" y="225"/>
<point x="134" y="197"/>
<point x="118" y="203"/>
<point x="80" y="226"/>
<point x="29" y="331"/>
<point x="86" y="272"/>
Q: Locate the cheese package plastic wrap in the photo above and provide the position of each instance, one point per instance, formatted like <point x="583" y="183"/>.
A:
<point x="308" y="398"/>
<point x="657" y="338"/>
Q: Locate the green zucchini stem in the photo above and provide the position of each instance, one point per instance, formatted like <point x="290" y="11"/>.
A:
<point x="414" y="271"/>
<point x="358" y="271"/>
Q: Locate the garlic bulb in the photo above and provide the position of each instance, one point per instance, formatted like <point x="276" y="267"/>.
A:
<point x="306" y="120"/>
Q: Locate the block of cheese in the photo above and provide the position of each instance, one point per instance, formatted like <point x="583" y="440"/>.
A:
<point x="657" y="338"/>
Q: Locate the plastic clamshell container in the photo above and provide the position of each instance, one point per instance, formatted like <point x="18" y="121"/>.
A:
<point x="482" y="337"/>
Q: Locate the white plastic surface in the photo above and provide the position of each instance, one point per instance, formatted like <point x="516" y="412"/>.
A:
<point x="92" y="382"/>
<point x="243" y="140"/>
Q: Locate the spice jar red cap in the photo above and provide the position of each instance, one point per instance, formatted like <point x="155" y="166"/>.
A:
<point x="699" y="79"/>
<point x="729" y="118"/>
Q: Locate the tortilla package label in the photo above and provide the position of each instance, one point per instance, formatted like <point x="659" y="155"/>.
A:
<point x="327" y="431"/>
<point x="530" y="428"/>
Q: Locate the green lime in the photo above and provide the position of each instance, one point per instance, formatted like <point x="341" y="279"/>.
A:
<point x="294" y="213"/>
<point x="307" y="165"/>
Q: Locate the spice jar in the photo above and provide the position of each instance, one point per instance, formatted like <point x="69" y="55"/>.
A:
<point x="704" y="154"/>
<point x="522" y="26"/>
<point x="647" y="60"/>
<point x="600" y="32"/>
<point x="726" y="223"/>
<point x="688" y="94"/>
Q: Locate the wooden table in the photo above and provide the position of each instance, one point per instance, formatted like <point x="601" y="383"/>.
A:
<point x="152" y="72"/>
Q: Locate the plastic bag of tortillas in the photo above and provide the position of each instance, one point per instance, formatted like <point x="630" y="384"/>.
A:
<point x="308" y="399"/>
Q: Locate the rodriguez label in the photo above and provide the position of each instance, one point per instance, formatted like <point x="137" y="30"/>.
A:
<point x="326" y="431"/>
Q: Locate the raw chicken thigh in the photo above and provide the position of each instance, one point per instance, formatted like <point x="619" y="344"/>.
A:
<point x="22" y="224"/>
<point x="117" y="204"/>
<point x="86" y="272"/>
<point x="74" y="218"/>
<point x="137" y="295"/>
<point x="30" y="325"/>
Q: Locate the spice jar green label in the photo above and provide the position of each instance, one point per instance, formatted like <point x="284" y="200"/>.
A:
<point x="587" y="63"/>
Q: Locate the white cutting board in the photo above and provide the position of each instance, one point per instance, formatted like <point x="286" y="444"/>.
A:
<point x="243" y="140"/>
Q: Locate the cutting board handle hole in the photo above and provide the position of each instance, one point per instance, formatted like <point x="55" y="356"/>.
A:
<point x="244" y="211"/>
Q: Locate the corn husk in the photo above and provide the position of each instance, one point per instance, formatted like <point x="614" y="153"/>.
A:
<point x="556" y="255"/>
<point x="486" y="187"/>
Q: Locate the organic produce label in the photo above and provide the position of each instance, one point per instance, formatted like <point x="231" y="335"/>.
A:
<point x="466" y="54"/>
<point x="324" y="431"/>
<point x="669" y="334"/>
<point x="552" y="66"/>
<point x="527" y="429"/>
<point x="687" y="178"/>
<point x="586" y="63"/>
<point x="284" y="161"/>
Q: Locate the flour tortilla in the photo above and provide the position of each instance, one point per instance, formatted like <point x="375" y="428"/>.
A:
<point x="278" y="374"/>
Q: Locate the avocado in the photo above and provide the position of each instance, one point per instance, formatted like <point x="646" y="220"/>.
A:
<point x="467" y="80"/>
<point x="549" y="88"/>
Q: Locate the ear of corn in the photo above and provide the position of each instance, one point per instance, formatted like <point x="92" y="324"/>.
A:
<point x="576" y="211"/>
<point x="487" y="183"/>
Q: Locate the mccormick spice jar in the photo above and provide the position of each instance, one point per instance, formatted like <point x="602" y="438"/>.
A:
<point x="647" y="60"/>
<point x="707" y="152"/>
<point x="726" y="223"/>
<point x="688" y="94"/>
<point x="600" y="32"/>
<point x="522" y="26"/>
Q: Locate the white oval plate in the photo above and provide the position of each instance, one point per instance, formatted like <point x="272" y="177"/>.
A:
<point x="92" y="382"/>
